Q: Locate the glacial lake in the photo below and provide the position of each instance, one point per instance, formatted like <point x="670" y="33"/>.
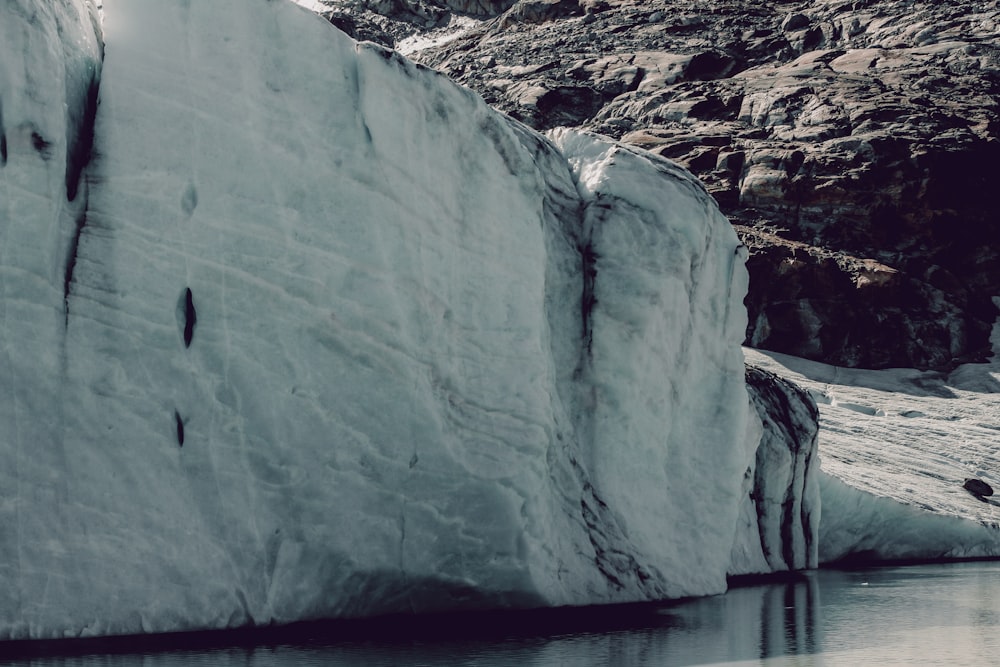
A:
<point x="913" y="615"/>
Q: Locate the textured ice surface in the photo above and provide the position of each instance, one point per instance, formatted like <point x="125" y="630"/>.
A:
<point x="661" y="399"/>
<point x="896" y="446"/>
<point x="322" y="335"/>
<point x="49" y="59"/>
<point x="780" y="515"/>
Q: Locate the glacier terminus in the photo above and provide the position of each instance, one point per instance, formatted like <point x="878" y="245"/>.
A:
<point x="293" y="328"/>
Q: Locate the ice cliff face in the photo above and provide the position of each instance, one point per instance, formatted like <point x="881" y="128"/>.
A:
<point x="781" y="512"/>
<point x="294" y="328"/>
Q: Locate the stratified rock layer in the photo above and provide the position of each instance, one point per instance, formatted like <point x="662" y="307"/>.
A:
<point x="854" y="143"/>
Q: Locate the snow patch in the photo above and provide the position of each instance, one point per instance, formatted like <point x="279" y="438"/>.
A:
<point x="456" y="27"/>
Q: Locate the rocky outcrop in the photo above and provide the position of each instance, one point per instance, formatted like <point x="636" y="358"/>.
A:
<point x="853" y="143"/>
<point x="821" y="303"/>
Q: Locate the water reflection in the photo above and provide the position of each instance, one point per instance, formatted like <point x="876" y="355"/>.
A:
<point x="750" y="623"/>
<point x="948" y="614"/>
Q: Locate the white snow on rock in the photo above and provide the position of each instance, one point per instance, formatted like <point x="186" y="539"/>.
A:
<point x="455" y="27"/>
<point x="896" y="446"/>
<point x="328" y="337"/>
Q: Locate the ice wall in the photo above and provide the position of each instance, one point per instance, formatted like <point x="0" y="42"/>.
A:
<point x="780" y="517"/>
<point x="866" y="528"/>
<point x="50" y="55"/>
<point x="320" y="334"/>
<point x="659" y="395"/>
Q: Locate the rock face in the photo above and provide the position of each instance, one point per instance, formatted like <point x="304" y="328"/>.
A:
<point x="854" y="144"/>
<point x="294" y="328"/>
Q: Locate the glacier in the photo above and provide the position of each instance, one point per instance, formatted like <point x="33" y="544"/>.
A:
<point x="294" y="328"/>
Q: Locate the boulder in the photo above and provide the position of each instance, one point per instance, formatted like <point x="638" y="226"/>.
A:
<point x="977" y="487"/>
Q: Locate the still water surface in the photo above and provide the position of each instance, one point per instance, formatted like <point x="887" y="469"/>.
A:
<point x="917" y="615"/>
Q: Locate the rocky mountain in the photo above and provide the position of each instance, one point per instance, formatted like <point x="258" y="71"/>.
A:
<point x="853" y="143"/>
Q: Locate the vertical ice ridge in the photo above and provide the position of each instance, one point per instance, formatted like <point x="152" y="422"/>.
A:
<point x="82" y="83"/>
<point x="785" y="495"/>
<point x="810" y="527"/>
<point x="588" y="300"/>
<point x="614" y="556"/>
<point x="355" y="73"/>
